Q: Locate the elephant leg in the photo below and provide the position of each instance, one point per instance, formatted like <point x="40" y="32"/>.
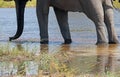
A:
<point x="20" y="7"/>
<point x="101" y="32"/>
<point x="62" y="18"/>
<point x="94" y="11"/>
<point x="42" y="10"/>
<point x="109" y="22"/>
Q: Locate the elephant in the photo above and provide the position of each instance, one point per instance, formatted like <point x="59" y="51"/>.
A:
<point x="20" y="8"/>
<point x="99" y="11"/>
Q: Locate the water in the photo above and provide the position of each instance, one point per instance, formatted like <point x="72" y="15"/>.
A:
<point x="82" y="52"/>
<point x="79" y="25"/>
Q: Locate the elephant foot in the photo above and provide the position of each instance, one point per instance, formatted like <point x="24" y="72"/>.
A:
<point x="114" y="42"/>
<point x="101" y="43"/>
<point x="44" y="42"/>
<point x="67" y="41"/>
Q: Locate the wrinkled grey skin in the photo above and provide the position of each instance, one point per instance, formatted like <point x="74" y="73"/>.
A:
<point x="99" y="11"/>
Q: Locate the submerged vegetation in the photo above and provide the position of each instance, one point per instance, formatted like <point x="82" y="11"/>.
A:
<point x="48" y="63"/>
<point x="29" y="64"/>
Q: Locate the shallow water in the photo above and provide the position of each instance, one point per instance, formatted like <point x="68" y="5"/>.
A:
<point x="82" y="29"/>
<point x="83" y="54"/>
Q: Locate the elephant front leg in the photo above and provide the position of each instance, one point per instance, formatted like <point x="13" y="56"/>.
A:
<point x="62" y="18"/>
<point x="42" y="10"/>
<point x="109" y="22"/>
<point x="43" y="27"/>
<point x="20" y="7"/>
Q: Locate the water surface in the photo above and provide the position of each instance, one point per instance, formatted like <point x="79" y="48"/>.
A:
<point x="83" y="54"/>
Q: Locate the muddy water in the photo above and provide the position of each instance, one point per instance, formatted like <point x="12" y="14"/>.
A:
<point x="83" y="54"/>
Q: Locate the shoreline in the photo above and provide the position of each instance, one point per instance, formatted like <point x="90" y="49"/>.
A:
<point x="11" y="4"/>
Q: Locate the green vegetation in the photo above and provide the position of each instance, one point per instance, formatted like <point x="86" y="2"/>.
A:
<point x="116" y="4"/>
<point x="49" y="64"/>
<point x="10" y="4"/>
<point x="32" y="3"/>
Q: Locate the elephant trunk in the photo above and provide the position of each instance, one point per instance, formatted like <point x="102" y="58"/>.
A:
<point x="20" y="8"/>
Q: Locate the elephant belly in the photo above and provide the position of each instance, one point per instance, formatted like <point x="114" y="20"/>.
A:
<point x="68" y="5"/>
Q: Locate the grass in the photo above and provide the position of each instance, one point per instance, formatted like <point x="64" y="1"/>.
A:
<point x="32" y="3"/>
<point x="11" y="4"/>
<point x="50" y="64"/>
<point x="116" y="4"/>
<point x="9" y="54"/>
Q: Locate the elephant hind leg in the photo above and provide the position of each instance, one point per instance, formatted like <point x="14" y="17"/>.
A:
<point x="109" y="22"/>
<point x="101" y="31"/>
<point x="62" y="18"/>
<point x="96" y="14"/>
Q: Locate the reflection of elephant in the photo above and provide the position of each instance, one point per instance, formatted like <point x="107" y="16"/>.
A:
<point x="20" y="7"/>
<point x="107" y="59"/>
<point x="99" y="11"/>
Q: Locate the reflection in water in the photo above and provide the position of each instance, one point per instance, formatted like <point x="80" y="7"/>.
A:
<point x="106" y="58"/>
<point x="19" y="47"/>
<point x="103" y="60"/>
<point x="44" y="48"/>
<point x="7" y="68"/>
<point x="21" y="69"/>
